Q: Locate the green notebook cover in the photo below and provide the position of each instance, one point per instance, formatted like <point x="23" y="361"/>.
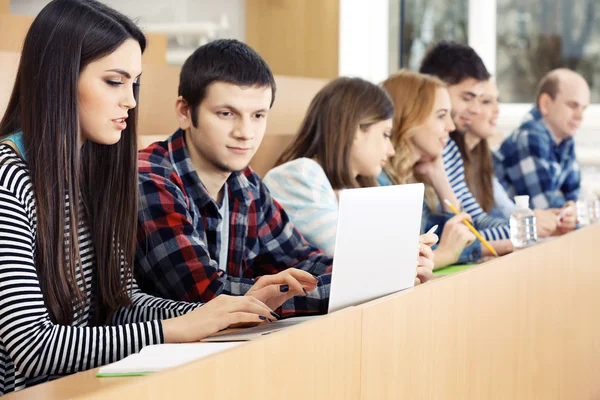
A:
<point x="452" y="268"/>
<point x="124" y="374"/>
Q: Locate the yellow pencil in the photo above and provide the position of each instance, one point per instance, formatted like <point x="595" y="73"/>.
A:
<point x="472" y="228"/>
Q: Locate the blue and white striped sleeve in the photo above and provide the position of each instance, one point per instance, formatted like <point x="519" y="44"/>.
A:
<point x="38" y="346"/>
<point x="145" y="307"/>
<point x="490" y="227"/>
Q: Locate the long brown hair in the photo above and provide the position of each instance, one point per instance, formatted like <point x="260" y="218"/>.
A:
<point x="413" y="95"/>
<point x="479" y="170"/>
<point x="66" y="36"/>
<point x="329" y="127"/>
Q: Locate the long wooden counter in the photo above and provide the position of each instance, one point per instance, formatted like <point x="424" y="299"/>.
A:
<point x="525" y="326"/>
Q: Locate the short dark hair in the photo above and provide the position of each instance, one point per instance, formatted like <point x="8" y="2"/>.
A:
<point x="453" y="62"/>
<point x="223" y="60"/>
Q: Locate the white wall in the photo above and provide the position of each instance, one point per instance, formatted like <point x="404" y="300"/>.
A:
<point x="364" y="38"/>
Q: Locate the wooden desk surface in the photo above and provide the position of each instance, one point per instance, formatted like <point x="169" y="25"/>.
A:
<point x="266" y="368"/>
<point x="525" y="326"/>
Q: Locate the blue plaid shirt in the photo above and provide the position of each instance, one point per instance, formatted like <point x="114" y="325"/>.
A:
<point x="529" y="162"/>
<point x="179" y="234"/>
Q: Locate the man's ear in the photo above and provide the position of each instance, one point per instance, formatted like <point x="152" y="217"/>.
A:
<point x="184" y="113"/>
<point x="545" y="102"/>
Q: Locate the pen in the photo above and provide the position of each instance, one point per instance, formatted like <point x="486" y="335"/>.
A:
<point x="468" y="224"/>
<point x="432" y="230"/>
<point x="563" y="213"/>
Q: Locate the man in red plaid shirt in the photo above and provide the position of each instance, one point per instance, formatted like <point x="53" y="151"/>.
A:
<point x="207" y="223"/>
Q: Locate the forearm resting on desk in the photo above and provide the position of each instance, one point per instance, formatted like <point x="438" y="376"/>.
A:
<point x="502" y="247"/>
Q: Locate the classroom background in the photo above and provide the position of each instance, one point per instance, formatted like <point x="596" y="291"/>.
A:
<point x="519" y="41"/>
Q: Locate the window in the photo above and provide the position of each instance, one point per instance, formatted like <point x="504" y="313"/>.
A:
<point x="536" y="36"/>
<point x="416" y="24"/>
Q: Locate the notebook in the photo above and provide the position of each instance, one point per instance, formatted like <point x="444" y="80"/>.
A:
<point x="158" y="357"/>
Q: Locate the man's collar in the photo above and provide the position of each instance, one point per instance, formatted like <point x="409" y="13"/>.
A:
<point x="536" y="115"/>
<point x="237" y="182"/>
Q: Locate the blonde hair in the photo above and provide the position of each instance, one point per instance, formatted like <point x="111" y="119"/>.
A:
<point x="413" y="95"/>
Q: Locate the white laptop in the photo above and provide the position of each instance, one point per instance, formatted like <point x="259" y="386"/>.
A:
<point x="376" y="250"/>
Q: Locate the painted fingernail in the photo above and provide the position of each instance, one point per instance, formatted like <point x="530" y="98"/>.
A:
<point x="262" y="317"/>
<point x="275" y="315"/>
<point x="284" y="288"/>
<point x="305" y="292"/>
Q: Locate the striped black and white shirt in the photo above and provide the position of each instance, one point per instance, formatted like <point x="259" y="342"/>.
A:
<point x="491" y="228"/>
<point x="32" y="348"/>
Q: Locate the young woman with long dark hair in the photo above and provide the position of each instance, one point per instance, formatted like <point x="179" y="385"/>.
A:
<point x="68" y="207"/>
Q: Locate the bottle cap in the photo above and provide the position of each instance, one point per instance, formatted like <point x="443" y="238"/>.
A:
<point x="522" y="201"/>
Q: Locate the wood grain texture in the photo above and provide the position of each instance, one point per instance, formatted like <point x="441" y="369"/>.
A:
<point x="524" y="326"/>
<point x="14" y="29"/>
<point x="297" y="38"/>
<point x="9" y="63"/>
<point x="313" y="360"/>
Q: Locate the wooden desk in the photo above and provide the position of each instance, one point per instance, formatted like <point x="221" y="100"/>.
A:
<point x="267" y="368"/>
<point x="525" y="326"/>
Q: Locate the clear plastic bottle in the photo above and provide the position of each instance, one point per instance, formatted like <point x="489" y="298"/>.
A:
<point x="523" y="231"/>
<point x="588" y="208"/>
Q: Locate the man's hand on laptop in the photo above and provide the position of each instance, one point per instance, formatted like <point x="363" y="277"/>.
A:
<point x="274" y="290"/>
<point x="426" y="256"/>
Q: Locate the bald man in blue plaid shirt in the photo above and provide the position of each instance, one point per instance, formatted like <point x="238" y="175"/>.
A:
<point x="538" y="159"/>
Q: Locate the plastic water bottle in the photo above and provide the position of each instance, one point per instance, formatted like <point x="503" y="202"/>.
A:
<point x="594" y="211"/>
<point x="523" y="231"/>
<point x="588" y="208"/>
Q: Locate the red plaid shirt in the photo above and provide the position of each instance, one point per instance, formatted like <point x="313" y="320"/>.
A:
<point x="179" y="233"/>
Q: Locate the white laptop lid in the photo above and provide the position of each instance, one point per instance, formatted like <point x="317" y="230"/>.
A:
<point x="377" y="243"/>
<point x="376" y="251"/>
